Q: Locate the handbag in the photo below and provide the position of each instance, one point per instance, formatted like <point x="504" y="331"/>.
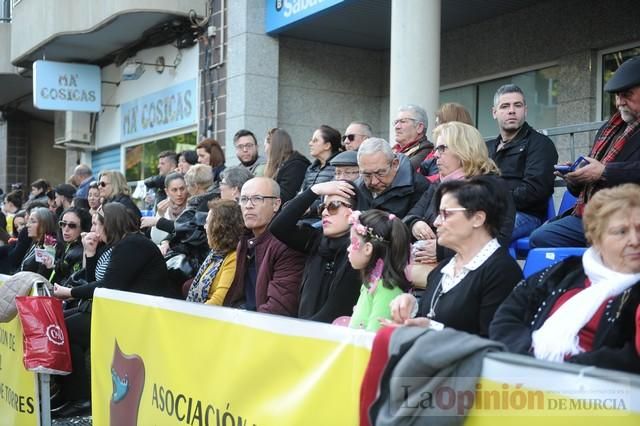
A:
<point x="179" y="267"/>
<point x="45" y="338"/>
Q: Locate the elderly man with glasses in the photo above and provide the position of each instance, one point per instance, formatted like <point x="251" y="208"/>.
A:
<point x="387" y="181"/>
<point x="268" y="273"/>
<point x="410" y="127"/>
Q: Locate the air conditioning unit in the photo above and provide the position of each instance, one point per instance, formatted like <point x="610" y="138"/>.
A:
<point x="72" y="129"/>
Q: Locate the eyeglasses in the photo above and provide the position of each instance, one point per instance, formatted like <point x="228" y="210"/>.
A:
<point x="245" y="147"/>
<point x="378" y="173"/>
<point x="103" y="184"/>
<point x="444" y="214"/>
<point x="402" y="121"/>
<point x="351" y="137"/>
<point x="70" y="225"/>
<point x="332" y="207"/>
<point x="255" y="199"/>
<point x="342" y="174"/>
<point x="441" y="148"/>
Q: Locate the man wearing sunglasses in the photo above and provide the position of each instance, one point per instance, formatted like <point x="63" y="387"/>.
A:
<point x="355" y="134"/>
<point x="410" y="128"/>
<point x="387" y="181"/>
<point x="268" y="273"/>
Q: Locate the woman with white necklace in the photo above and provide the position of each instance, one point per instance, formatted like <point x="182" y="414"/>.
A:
<point x="584" y="310"/>
<point x="464" y="292"/>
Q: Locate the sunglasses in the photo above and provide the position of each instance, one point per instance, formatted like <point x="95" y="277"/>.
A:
<point x="332" y="207"/>
<point x="350" y="137"/>
<point x="71" y="225"/>
<point x="103" y="184"/>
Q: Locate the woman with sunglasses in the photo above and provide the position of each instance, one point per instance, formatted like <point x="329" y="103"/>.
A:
<point x="330" y="286"/>
<point x="113" y="187"/>
<point x="69" y="251"/>
<point x="129" y="262"/>
<point x="461" y="153"/>
<point x="465" y="291"/>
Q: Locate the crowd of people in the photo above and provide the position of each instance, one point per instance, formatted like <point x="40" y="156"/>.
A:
<point x="370" y="234"/>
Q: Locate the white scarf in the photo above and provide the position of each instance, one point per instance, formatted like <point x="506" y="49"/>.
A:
<point x="558" y="336"/>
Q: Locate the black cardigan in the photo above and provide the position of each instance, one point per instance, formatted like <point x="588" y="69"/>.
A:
<point x="530" y="303"/>
<point x="471" y="304"/>
<point x="426" y="210"/>
<point x="330" y="286"/>
<point x="136" y="265"/>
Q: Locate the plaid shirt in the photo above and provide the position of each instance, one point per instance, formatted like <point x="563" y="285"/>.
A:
<point x="606" y="148"/>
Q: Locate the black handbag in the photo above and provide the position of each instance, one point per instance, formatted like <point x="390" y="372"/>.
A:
<point x="179" y="267"/>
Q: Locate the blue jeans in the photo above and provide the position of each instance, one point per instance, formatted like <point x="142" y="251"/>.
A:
<point x="560" y="232"/>
<point x="523" y="225"/>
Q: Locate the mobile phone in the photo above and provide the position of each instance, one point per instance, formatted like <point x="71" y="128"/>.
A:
<point x="562" y="168"/>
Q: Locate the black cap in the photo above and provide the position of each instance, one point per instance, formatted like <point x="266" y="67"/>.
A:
<point x="66" y="190"/>
<point x="625" y="77"/>
<point x="346" y="158"/>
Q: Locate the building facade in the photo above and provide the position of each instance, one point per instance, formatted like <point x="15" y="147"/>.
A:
<point x="296" y="64"/>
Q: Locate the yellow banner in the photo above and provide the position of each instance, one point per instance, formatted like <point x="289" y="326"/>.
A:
<point x="160" y="361"/>
<point x="18" y="402"/>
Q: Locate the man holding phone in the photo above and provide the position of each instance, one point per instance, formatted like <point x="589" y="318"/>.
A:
<point x="614" y="159"/>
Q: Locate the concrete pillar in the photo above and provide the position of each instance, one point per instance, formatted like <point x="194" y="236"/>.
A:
<point x="252" y="74"/>
<point x="415" y="56"/>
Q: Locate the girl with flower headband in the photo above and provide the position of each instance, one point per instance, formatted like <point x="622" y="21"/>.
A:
<point x="380" y="251"/>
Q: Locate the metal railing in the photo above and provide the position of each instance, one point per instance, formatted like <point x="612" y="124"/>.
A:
<point x="571" y="130"/>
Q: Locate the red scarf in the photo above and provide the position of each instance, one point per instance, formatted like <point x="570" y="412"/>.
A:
<point x="607" y="146"/>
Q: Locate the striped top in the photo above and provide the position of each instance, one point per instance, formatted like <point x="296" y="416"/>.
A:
<point x="103" y="263"/>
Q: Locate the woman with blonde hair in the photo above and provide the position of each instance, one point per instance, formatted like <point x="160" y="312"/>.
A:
<point x="461" y="153"/>
<point x="113" y="187"/>
<point x="284" y="165"/>
<point x="451" y="111"/>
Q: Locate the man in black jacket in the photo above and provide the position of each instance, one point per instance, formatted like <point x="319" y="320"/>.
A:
<point x="525" y="159"/>
<point x="614" y="159"/>
<point x="387" y="181"/>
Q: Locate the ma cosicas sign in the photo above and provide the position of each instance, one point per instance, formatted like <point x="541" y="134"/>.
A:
<point x="66" y="87"/>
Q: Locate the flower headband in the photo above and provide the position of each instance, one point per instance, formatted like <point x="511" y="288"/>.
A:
<point x="365" y="231"/>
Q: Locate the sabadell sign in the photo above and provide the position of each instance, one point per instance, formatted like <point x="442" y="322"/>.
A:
<point x="282" y="13"/>
<point x="66" y="87"/>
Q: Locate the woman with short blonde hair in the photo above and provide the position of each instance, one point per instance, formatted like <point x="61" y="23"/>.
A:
<point x="461" y="153"/>
<point x="113" y="187"/>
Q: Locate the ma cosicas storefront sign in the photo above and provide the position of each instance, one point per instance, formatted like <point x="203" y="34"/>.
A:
<point x="66" y="87"/>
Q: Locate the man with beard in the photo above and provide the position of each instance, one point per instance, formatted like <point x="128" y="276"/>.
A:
<point x="246" y="146"/>
<point x="614" y="159"/>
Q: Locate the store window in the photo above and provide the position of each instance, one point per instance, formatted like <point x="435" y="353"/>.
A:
<point x="541" y="92"/>
<point x="141" y="161"/>
<point x="610" y="63"/>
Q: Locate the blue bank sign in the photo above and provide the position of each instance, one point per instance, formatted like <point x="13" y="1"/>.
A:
<point x="281" y="13"/>
<point x="168" y="109"/>
<point x="66" y="87"/>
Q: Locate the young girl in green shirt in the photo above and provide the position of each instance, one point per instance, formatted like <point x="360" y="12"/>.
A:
<point x="379" y="249"/>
